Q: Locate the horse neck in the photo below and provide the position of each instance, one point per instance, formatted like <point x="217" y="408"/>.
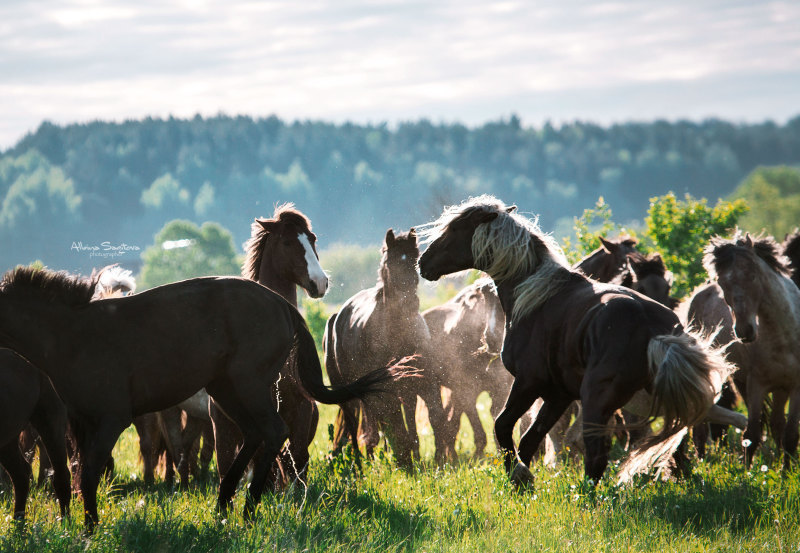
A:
<point x="35" y="335"/>
<point x="397" y="300"/>
<point x="780" y="302"/>
<point x="268" y="276"/>
<point x="505" y="291"/>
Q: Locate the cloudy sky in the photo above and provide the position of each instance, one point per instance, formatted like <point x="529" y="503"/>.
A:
<point x="392" y="60"/>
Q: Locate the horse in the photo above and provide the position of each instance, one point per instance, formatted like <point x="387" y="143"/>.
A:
<point x="648" y="275"/>
<point x="379" y="325"/>
<point x="569" y="337"/>
<point x="27" y="396"/>
<point x="113" y="359"/>
<point x="281" y="254"/>
<point x="765" y="315"/>
<point x="608" y="260"/>
<point x="468" y="333"/>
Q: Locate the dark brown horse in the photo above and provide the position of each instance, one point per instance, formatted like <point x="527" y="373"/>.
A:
<point x="379" y="325"/>
<point x="281" y="254"/>
<point x="468" y="334"/>
<point x="649" y="276"/>
<point x="569" y="337"/>
<point x="609" y="260"/>
<point x="111" y="360"/>
<point x="26" y="396"/>
<point x="765" y="315"/>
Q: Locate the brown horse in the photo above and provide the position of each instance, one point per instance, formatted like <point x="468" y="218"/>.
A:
<point x="609" y="260"/>
<point x="113" y="359"/>
<point x="468" y="332"/>
<point x="649" y="276"/>
<point x="378" y="325"/>
<point x="765" y="315"/>
<point x="26" y="396"/>
<point x="281" y="254"/>
<point x="569" y="337"/>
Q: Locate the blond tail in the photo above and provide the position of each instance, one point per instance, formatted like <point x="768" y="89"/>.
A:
<point x="687" y="378"/>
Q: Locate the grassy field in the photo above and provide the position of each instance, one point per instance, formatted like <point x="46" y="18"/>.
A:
<point x="469" y="506"/>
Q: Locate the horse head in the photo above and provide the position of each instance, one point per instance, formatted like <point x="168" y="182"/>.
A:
<point x="651" y="278"/>
<point x="451" y="249"/>
<point x="398" y="269"/>
<point x="284" y="247"/>
<point x="742" y="268"/>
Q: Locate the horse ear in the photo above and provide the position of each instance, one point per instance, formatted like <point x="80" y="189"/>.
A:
<point x="748" y="240"/>
<point x="389" y="237"/>
<point x="266" y="224"/>
<point x="607" y="245"/>
<point x="511" y="209"/>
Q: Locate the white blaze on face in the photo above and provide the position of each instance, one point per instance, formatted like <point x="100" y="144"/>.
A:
<point x="315" y="272"/>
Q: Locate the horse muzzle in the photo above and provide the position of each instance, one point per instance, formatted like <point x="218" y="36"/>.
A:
<point x="747" y="333"/>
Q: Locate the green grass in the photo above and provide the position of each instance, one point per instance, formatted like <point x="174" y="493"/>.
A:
<point x="469" y="506"/>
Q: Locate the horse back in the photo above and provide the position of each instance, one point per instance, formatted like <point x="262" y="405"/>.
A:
<point x="170" y="341"/>
<point x="583" y="327"/>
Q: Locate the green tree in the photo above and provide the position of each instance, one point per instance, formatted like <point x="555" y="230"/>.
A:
<point x="184" y="250"/>
<point x="589" y="227"/>
<point x="316" y="315"/>
<point x="773" y="196"/>
<point x="681" y="229"/>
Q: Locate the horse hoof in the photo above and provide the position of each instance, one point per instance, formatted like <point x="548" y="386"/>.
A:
<point x="521" y="476"/>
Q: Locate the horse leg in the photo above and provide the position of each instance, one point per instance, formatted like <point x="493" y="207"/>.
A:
<point x="437" y="416"/>
<point x="207" y="449"/>
<point x="52" y="427"/>
<point x="752" y="434"/>
<point x="728" y="401"/>
<point x="602" y="393"/>
<point x="295" y="456"/>
<point x="700" y="434"/>
<point x="777" y="417"/>
<point x="397" y="434"/>
<point x="20" y="472"/>
<point x="346" y="425"/>
<point x="520" y="399"/>
<point x="227" y="438"/>
<point x="478" y="433"/>
<point x="790" y="432"/>
<point x="273" y="432"/>
<point x="169" y="422"/>
<point x="95" y="442"/>
<point x="244" y="408"/>
<point x="147" y="446"/>
<point x="551" y="411"/>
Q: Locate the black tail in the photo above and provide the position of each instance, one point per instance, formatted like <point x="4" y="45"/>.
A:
<point x="309" y="371"/>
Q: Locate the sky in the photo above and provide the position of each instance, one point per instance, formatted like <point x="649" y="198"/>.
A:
<point x="370" y="61"/>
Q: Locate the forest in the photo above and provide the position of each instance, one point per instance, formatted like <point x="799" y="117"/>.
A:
<point x="85" y="195"/>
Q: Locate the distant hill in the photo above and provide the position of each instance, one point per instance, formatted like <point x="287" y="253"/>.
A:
<point x="74" y="195"/>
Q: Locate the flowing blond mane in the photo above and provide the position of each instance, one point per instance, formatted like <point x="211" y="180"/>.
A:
<point x="511" y="246"/>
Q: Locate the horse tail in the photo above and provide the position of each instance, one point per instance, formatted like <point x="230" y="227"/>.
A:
<point x="688" y="374"/>
<point x="309" y="371"/>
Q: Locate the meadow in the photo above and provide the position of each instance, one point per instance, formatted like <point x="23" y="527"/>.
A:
<point x="466" y="506"/>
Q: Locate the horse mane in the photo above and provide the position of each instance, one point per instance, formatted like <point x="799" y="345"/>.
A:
<point x="791" y="250"/>
<point x="254" y="247"/>
<point x="510" y="246"/>
<point x="55" y="286"/>
<point x="721" y="252"/>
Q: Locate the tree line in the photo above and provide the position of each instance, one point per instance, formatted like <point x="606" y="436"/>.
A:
<point x="111" y="187"/>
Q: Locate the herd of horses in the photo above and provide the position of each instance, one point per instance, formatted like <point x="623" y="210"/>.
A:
<point x="589" y="347"/>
